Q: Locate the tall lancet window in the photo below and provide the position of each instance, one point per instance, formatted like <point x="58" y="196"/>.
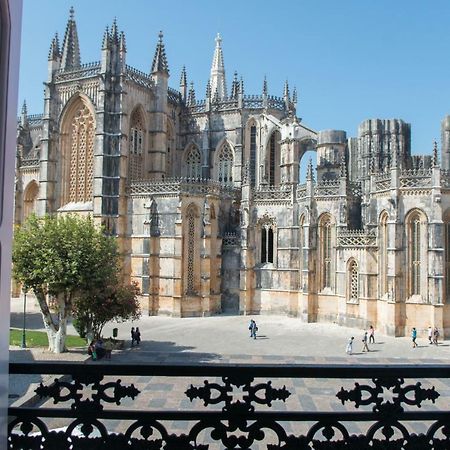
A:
<point x="193" y="163"/>
<point x="417" y="248"/>
<point x="225" y="164"/>
<point x="353" y="282"/>
<point x="326" y="251"/>
<point x="273" y="156"/>
<point x="82" y="156"/>
<point x="192" y="236"/>
<point x="267" y="249"/>
<point x="253" y="155"/>
<point x="415" y="243"/>
<point x="383" y="254"/>
<point x="447" y="257"/>
<point x="136" y="157"/>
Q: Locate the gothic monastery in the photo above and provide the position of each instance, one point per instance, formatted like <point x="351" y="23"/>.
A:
<point x="205" y="197"/>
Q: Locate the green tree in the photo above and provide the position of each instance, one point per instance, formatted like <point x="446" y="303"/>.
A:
<point x="114" y="302"/>
<point x="64" y="257"/>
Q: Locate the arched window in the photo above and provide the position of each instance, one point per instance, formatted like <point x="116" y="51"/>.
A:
<point x="416" y="238"/>
<point x="273" y="157"/>
<point x="193" y="163"/>
<point x="383" y="254"/>
<point x="191" y="251"/>
<point x="224" y="163"/>
<point x="136" y="149"/>
<point x="29" y="199"/>
<point x="415" y="255"/>
<point x="447" y="256"/>
<point x="326" y="252"/>
<point x="252" y="155"/>
<point x="353" y="282"/>
<point x="267" y="244"/>
<point x="170" y="154"/>
<point x="77" y="153"/>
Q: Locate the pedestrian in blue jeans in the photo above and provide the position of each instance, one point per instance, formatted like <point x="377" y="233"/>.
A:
<point x="253" y="329"/>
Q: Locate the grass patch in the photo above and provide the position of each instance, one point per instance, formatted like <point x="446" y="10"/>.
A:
<point x="39" y="339"/>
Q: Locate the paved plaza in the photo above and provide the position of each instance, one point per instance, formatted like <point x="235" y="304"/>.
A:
<point x="226" y="339"/>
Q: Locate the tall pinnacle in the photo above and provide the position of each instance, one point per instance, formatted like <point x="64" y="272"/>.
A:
<point x="71" y="48"/>
<point x="217" y="79"/>
<point x="160" y="59"/>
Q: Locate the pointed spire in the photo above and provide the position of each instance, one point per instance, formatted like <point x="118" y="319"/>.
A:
<point x="24" y="114"/>
<point x="286" y="91"/>
<point x="114" y="32"/>
<point x="105" y="41"/>
<point x="294" y="96"/>
<point x="183" y="84"/>
<point x="217" y="78"/>
<point x="265" y="91"/>
<point x="160" y="60"/>
<point x="435" y="158"/>
<point x="241" y="87"/>
<point x="343" y="167"/>
<point x="216" y="97"/>
<point x="122" y="43"/>
<point x="309" y="171"/>
<point x="235" y="86"/>
<point x="71" y="48"/>
<point x="208" y="90"/>
<point x="53" y="53"/>
<point x="183" y="78"/>
<point x="191" y="96"/>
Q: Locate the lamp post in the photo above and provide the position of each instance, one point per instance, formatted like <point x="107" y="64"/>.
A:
<point x="24" y="342"/>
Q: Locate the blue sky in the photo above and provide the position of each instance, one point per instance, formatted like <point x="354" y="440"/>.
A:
<point x="349" y="59"/>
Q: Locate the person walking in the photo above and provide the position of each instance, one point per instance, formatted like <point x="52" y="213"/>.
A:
<point x="414" y="337"/>
<point x="349" y="348"/>
<point x="133" y="336"/>
<point x="371" y="335"/>
<point x="435" y="336"/>
<point x="430" y="334"/>
<point x="137" y="336"/>
<point x="253" y="329"/>
<point x="365" y="346"/>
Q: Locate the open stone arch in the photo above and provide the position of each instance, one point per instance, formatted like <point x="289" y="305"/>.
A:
<point x="306" y="151"/>
<point x="223" y="170"/>
<point x="77" y="142"/>
<point x="136" y="143"/>
<point x="30" y="195"/>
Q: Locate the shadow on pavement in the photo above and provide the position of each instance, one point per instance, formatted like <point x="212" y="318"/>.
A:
<point x="33" y="321"/>
<point x="160" y="351"/>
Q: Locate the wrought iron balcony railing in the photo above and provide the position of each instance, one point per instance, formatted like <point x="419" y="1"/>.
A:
<point x="233" y="407"/>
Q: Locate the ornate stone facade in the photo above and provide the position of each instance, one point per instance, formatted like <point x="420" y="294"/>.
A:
<point x="206" y="201"/>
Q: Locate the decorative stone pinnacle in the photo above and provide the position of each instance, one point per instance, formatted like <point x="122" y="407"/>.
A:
<point x="71" y="13"/>
<point x="435" y="154"/>
<point x="265" y="86"/>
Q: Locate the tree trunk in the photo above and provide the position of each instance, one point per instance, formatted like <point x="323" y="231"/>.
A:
<point x="89" y="332"/>
<point x="63" y="315"/>
<point x="49" y="325"/>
